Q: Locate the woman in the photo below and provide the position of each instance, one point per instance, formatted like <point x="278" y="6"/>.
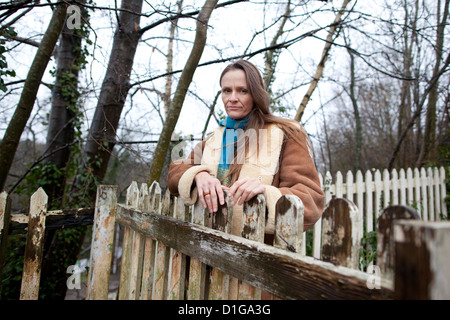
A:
<point x="252" y="152"/>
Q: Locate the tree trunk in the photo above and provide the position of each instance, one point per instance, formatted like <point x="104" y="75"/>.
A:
<point x="114" y="90"/>
<point x="167" y="98"/>
<point x="321" y="65"/>
<point x="270" y="59"/>
<point x="62" y="246"/>
<point x="404" y="113"/>
<point x="427" y="152"/>
<point x="61" y="127"/>
<point x="20" y="118"/>
<point x="358" y="126"/>
<point x="180" y="93"/>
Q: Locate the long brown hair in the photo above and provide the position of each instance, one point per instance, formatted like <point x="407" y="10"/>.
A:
<point x="260" y="115"/>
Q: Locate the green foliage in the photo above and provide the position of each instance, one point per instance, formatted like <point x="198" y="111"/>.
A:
<point x="368" y="251"/>
<point x="41" y="175"/>
<point x="12" y="271"/>
<point x="4" y="71"/>
<point x="61" y="255"/>
<point x="65" y="243"/>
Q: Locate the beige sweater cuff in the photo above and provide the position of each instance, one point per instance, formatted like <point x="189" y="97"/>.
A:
<point x="187" y="193"/>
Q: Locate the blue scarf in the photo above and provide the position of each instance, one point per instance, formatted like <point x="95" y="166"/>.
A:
<point x="230" y="136"/>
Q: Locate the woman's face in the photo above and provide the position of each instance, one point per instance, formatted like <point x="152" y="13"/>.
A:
<point x="237" y="100"/>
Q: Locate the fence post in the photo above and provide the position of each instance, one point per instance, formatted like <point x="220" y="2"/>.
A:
<point x="422" y="250"/>
<point x="102" y="243"/>
<point x="385" y="234"/>
<point x="5" y="217"/>
<point x="340" y="233"/>
<point x="34" y="246"/>
<point x="289" y="223"/>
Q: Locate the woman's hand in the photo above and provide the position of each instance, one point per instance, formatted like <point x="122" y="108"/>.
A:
<point x="245" y="189"/>
<point x="210" y="191"/>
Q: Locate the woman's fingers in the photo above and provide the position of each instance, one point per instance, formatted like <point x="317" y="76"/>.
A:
<point x="209" y="191"/>
<point x="245" y="189"/>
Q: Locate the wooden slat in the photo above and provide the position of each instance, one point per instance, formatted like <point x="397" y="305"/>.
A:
<point x="421" y="256"/>
<point x="177" y="275"/>
<point x="284" y="274"/>
<point x="197" y="269"/>
<point x="5" y="214"/>
<point x="219" y="284"/>
<point x="385" y="237"/>
<point x="127" y="246"/>
<point x="289" y="223"/>
<point x="288" y="233"/>
<point x="161" y="277"/>
<point x="340" y="233"/>
<point x="34" y="246"/>
<point x="148" y="268"/>
<point x="55" y="219"/>
<point x="102" y="243"/>
<point x="253" y="220"/>
<point x="138" y="249"/>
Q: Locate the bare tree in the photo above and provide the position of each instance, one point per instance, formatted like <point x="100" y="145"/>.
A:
<point x="180" y="93"/>
<point x="319" y="71"/>
<point x="24" y="108"/>
<point x="428" y="148"/>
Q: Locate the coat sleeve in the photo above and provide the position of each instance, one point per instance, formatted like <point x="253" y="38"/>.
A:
<point x="297" y="175"/>
<point x="180" y="180"/>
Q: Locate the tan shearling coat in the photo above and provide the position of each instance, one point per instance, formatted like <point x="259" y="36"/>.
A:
<point x="281" y="164"/>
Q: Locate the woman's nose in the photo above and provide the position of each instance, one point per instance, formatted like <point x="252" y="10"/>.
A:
<point x="233" y="96"/>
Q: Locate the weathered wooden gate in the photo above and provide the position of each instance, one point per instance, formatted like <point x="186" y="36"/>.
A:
<point x="173" y="251"/>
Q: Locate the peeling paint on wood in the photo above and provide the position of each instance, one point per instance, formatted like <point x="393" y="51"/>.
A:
<point x="56" y="219"/>
<point x="289" y="223"/>
<point x="422" y="249"/>
<point x="148" y="271"/>
<point x="34" y="246"/>
<point x="219" y="282"/>
<point x="340" y="233"/>
<point x="161" y="277"/>
<point x="178" y="261"/>
<point x="282" y="273"/>
<point x="253" y="226"/>
<point x="102" y="243"/>
<point x="138" y="249"/>
<point x="127" y="246"/>
<point x="385" y="237"/>
<point x="197" y="269"/>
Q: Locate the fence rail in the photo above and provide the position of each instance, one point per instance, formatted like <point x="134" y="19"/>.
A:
<point x="173" y="251"/>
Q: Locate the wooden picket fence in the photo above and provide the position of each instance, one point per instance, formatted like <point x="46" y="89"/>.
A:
<point x="423" y="189"/>
<point x="174" y="251"/>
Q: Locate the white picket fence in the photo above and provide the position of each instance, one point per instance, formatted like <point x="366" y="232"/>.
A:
<point x="423" y="189"/>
